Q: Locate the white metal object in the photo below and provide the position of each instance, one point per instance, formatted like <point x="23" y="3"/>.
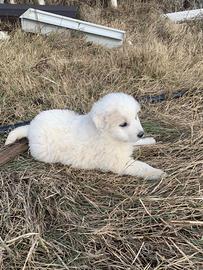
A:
<point x="4" y="35"/>
<point x="114" y="3"/>
<point x="41" y="2"/>
<point x="37" y="21"/>
<point x="185" y="15"/>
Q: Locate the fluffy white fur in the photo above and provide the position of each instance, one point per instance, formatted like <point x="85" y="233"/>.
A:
<point x="103" y="139"/>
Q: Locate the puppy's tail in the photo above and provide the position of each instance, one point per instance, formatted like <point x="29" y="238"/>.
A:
<point x="17" y="134"/>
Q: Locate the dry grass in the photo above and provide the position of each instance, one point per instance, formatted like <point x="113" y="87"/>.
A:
<point x="55" y="217"/>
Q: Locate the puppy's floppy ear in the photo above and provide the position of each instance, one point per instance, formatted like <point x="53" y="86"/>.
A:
<point x="104" y="120"/>
<point x="99" y="120"/>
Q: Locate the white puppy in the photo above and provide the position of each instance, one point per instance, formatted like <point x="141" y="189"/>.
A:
<point x="102" y="139"/>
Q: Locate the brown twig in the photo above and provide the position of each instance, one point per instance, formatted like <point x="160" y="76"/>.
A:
<point x="187" y="222"/>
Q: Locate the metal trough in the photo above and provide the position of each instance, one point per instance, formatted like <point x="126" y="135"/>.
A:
<point x="38" y="21"/>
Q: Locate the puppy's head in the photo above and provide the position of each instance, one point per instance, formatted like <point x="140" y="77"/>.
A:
<point x="116" y="114"/>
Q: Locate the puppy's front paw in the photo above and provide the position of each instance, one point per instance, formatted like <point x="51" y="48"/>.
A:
<point x="151" y="140"/>
<point x="145" y="141"/>
<point x="156" y="174"/>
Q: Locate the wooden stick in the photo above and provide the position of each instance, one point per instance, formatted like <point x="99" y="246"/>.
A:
<point x="9" y="152"/>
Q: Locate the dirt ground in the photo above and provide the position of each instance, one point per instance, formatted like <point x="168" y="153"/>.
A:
<point x="54" y="217"/>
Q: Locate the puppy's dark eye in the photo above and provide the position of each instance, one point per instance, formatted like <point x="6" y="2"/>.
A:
<point x="123" y="124"/>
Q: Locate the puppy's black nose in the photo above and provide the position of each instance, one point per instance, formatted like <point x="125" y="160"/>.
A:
<point x="140" y="134"/>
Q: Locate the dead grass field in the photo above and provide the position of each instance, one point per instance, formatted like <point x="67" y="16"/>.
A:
<point x="54" y="217"/>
